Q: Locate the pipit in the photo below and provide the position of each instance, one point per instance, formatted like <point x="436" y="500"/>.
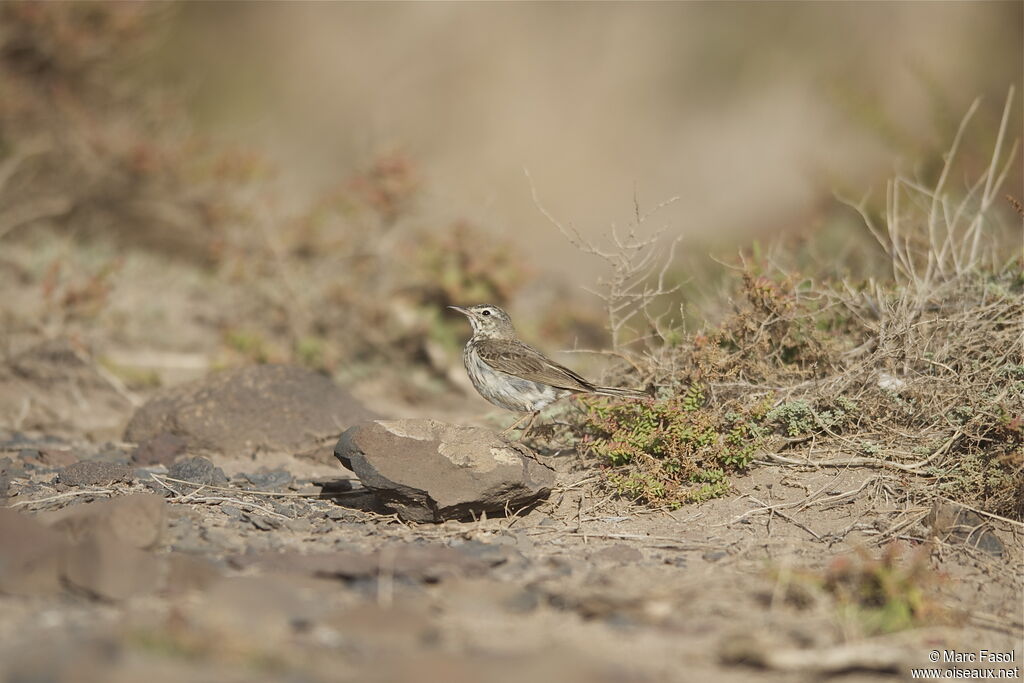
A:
<point x="516" y="376"/>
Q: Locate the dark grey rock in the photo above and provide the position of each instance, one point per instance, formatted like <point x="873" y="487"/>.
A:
<point x="30" y="490"/>
<point x="27" y="455"/>
<point x="281" y="508"/>
<point x="153" y="485"/>
<point x="300" y="525"/>
<point x="93" y="473"/>
<point x="957" y="525"/>
<point x="621" y="622"/>
<point x="428" y="562"/>
<point x="50" y="459"/>
<point x="184" y="535"/>
<point x="561" y="565"/>
<point x="8" y="470"/>
<point x="522" y="601"/>
<point x="162" y="449"/>
<point x="265" y="523"/>
<point x="429" y="471"/>
<point x="676" y="560"/>
<point x="619" y="553"/>
<point x="491" y="554"/>
<point x="338" y="514"/>
<point x="197" y="470"/>
<point x="274" y="407"/>
<point x="269" y="481"/>
<point x="16" y="441"/>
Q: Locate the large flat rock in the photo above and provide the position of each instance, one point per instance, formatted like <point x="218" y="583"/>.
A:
<point x="429" y="471"/>
<point x="270" y="407"/>
<point x="138" y="520"/>
<point x="98" y="549"/>
<point x="30" y="555"/>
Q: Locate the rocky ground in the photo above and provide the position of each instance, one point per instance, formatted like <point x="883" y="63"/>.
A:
<point x="183" y="499"/>
<point x="211" y="534"/>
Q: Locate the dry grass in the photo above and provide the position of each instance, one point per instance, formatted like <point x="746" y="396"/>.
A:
<point x="922" y="373"/>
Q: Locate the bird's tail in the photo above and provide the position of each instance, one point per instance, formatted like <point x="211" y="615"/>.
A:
<point x="620" y="392"/>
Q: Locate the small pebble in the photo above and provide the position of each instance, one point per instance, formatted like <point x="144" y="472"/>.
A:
<point x="264" y="523"/>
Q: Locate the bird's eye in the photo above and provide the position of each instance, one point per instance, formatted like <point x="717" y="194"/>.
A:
<point x="486" y="311"/>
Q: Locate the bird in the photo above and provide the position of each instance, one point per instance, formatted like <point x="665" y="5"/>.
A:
<point x="515" y="376"/>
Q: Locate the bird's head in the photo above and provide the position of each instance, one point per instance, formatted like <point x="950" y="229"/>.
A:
<point x="489" y="322"/>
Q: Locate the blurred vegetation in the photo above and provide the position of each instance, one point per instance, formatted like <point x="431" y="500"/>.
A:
<point x="94" y="150"/>
<point x="874" y="595"/>
<point x="895" y="346"/>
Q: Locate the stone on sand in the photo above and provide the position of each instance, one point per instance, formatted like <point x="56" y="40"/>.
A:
<point x="138" y="520"/>
<point x="273" y="407"/>
<point x="95" y="473"/>
<point x="30" y="555"/>
<point x="198" y="470"/>
<point x="429" y="471"/>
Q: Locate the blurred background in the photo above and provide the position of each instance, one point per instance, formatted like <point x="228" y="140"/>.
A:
<point x="752" y="114"/>
<point x="185" y="186"/>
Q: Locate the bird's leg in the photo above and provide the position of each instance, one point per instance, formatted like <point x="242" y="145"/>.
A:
<point x="526" y="429"/>
<point x="515" y="424"/>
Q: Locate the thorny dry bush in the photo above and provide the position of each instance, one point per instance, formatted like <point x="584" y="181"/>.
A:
<point x="922" y="373"/>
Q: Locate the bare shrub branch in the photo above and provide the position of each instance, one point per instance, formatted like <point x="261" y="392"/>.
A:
<point x="639" y="270"/>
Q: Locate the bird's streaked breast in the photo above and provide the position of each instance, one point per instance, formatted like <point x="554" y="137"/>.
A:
<point x="508" y="391"/>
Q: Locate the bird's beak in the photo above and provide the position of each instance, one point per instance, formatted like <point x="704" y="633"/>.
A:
<point x="461" y="310"/>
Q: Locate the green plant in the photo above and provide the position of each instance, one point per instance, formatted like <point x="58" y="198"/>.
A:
<point x="311" y="351"/>
<point x="795" y="417"/>
<point x="884" y="594"/>
<point x="671" y="451"/>
<point x="710" y="483"/>
<point x="799" y="417"/>
<point x="251" y="345"/>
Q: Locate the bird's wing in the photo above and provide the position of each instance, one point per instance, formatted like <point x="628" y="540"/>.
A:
<point x="513" y="357"/>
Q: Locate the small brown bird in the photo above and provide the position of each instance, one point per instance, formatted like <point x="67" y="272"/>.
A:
<point x="516" y="376"/>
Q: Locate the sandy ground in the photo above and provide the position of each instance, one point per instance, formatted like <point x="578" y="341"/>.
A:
<point x="583" y="587"/>
<point x="281" y="568"/>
